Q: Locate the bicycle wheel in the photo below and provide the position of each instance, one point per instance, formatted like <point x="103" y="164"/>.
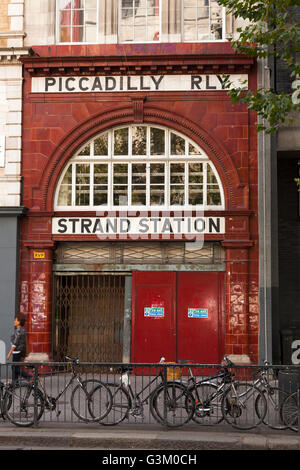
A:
<point x="120" y="405"/>
<point x="238" y="405"/>
<point x="275" y="398"/>
<point x="290" y="411"/>
<point x="172" y="404"/>
<point x="89" y="406"/>
<point x="23" y="405"/>
<point x="208" y="410"/>
<point x="5" y="397"/>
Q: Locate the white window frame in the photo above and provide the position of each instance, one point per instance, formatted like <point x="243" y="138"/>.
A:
<point x="204" y="40"/>
<point x="58" y="25"/>
<point x="147" y="159"/>
<point x="138" y="41"/>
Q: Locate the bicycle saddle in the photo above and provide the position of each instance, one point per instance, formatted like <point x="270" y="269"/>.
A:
<point x="125" y="368"/>
<point x="74" y="360"/>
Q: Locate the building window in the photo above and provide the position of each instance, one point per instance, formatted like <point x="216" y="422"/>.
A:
<point x="139" y="167"/>
<point x="77" y="20"/>
<point x="136" y="21"/>
<point x="139" y="20"/>
<point x="202" y="20"/>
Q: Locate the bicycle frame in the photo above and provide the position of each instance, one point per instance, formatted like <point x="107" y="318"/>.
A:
<point x="125" y="382"/>
<point x="50" y="401"/>
<point x="47" y="397"/>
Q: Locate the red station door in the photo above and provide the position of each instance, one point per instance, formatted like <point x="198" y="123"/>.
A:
<point x="178" y="316"/>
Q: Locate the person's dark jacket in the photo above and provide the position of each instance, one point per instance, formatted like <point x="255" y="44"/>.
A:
<point x="18" y="339"/>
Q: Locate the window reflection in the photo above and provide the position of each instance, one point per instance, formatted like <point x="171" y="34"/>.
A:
<point x="177" y="184"/>
<point x="157" y="141"/>
<point x="121" y="141"/>
<point x="65" y="192"/>
<point x="120" y="184"/>
<point x="139" y="140"/>
<point x="139" y="178"/>
<point x="157" y="187"/>
<point x="100" y="184"/>
<point x="82" y="185"/>
<point x="109" y="21"/>
<point x="139" y="20"/>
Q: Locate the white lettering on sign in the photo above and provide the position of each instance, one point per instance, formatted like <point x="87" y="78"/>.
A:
<point x="154" y="312"/>
<point x="137" y="225"/>
<point x="197" y="312"/>
<point x="135" y="83"/>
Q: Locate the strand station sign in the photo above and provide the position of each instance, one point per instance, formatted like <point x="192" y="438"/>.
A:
<point x="139" y="226"/>
<point x="134" y="83"/>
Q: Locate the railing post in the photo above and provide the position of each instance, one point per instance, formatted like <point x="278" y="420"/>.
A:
<point x="165" y="394"/>
<point x="35" y="394"/>
<point x="298" y="404"/>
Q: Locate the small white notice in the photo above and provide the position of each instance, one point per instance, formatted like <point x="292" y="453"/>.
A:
<point x="2" y="352"/>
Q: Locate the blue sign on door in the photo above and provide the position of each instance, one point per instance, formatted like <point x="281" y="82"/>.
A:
<point x="198" y="313"/>
<point x="154" y="312"/>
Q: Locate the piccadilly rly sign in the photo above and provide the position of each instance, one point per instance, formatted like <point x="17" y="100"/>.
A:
<point x="135" y="83"/>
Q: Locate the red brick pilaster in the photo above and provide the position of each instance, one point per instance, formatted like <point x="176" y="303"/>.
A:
<point x="237" y="321"/>
<point x="39" y="298"/>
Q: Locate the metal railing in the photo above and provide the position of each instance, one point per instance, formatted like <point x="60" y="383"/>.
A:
<point x="167" y="394"/>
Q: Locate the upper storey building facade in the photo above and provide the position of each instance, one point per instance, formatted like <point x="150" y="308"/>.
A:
<point x="11" y="82"/>
<point x="140" y="182"/>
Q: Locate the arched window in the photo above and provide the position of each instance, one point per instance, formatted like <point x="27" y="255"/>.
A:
<point x="139" y="167"/>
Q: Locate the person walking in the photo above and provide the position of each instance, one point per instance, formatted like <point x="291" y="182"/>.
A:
<point x="18" y="348"/>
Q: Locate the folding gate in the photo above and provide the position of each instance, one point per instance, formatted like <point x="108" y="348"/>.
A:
<point x="88" y="317"/>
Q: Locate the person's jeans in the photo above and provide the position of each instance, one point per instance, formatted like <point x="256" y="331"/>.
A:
<point x="18" y="371"/>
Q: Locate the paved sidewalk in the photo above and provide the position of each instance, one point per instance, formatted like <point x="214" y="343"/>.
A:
<point x="74" y="436"/>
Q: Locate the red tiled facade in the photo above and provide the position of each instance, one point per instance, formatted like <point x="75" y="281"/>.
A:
<point x="55" y="125"/>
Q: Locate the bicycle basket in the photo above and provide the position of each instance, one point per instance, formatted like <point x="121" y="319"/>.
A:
<point x="173" y="372"/>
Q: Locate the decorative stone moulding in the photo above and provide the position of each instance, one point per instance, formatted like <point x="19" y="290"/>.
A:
<point x="9" y="55"/>
<point x="138" y="65"/>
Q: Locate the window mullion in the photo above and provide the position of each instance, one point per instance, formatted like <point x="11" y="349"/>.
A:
<point x="148" y="142"/>
<point x="223" y="23"/>
<point x="129" y="184"/>
<point x="186" y="183"/>
<point x="73" y="184"/>
<point x="91" y="201"/>
<point x="205" y="184"/>
<point x="109" y="185"/>
<point x="130" y="142"/>
<point x="167" y="184"/>
<point x="147" y="184"/>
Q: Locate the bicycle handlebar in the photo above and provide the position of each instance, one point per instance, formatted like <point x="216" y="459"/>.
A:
<point x="227" y="362"/>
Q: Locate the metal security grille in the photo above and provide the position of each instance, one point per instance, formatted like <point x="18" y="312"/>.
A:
<point x="88" y="317"/>
<point x="139" y="253"/>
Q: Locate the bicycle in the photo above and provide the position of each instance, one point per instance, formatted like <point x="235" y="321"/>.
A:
<point x="207" y="393"/>
<point x="126" y="402"/>
<point x="28" y="399"/>
<point x="290" y="410"/>
<point x="275" y="398"/>
<point x="229" y="400"/>
<point x="5" y="395"/>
